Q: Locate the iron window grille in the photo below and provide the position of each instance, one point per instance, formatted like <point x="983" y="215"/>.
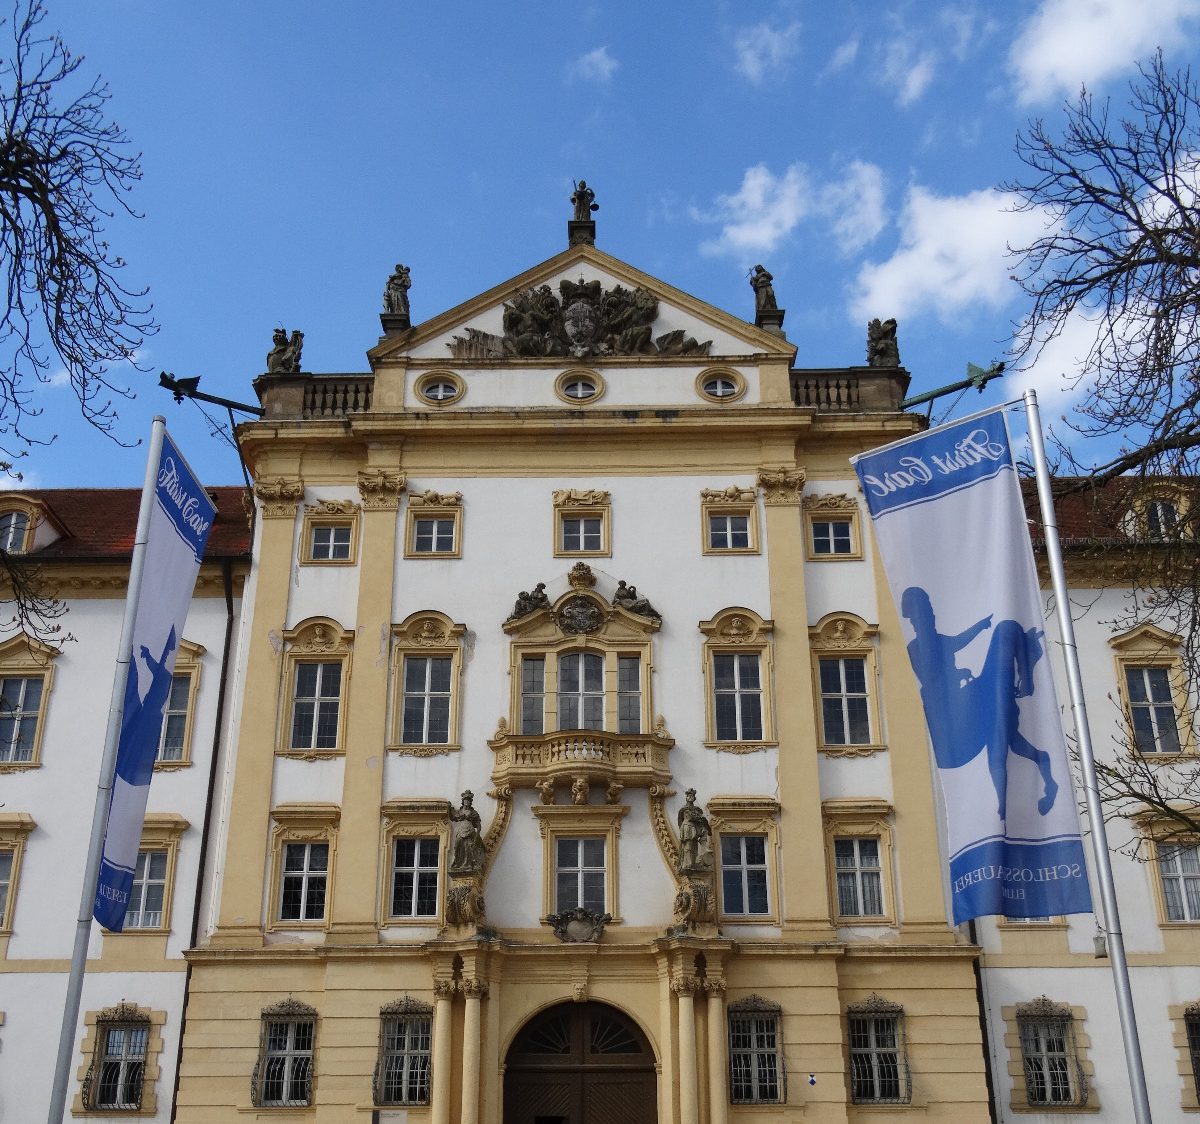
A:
<point x="283" y="1074"/>
<point x="1053" y="1075"/>
<point x="879" y="1072"/>
<point x="402" y="1069"/>
<point x="115" y="1080"/>
<point x="1191" y="1022"/>
<point x="756" y="1073"/>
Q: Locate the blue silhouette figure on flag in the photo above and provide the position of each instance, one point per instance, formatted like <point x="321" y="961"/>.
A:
<point x="967" y="713"/>
<point x="141" y="723"/>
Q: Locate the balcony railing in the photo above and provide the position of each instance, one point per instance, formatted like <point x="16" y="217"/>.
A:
<point x="336" y="397"/>
<point x="524" y="760"/>
<point x="850" y="389"/>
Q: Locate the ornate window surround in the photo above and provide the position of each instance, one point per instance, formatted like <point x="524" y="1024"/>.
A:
<point x="832" y="506"/>
<point x="329" y="513"/>
<point x="875" y="1006"/>
<point x="35" y="511"/>
<point x="161" y="831"/>
<point x="95" y="1025"/>
<point x="26" y="657"/>
<point x="581" y="821"/>
<point x="314" y="640"/>
<point x="425" y="633"/>
<point x="839" y="635"/>
<point x="413" y="818"/>
<point x="1044" y="1008"/>
<point x="737" y="631"/>
<point x="733" y="500"/>
<point x="748" y="815"/>
<point x="1150" y="646"/>
<point x="433" y="505"/>
<point x="14" y="831"/>
<point x="583" y="503"/>
<point x="1135" y="522"/>
<point x="189" y="662"/>
<point x="301" y="823"/>
<point x="572" y="374"/>
<point x="439" y="374"/>
<point x="860" y="819"/>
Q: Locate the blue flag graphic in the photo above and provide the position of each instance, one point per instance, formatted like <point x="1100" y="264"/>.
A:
<point x="950" y="525"/>
<point x="180" y="520"/>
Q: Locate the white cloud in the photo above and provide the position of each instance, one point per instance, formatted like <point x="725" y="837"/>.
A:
<point x="764" y="211"/>
<point x="843" y="57"/>
<point x="907" y="70"/>
<point x="855" y="206"/>
<point x="764" y="49"/>
<point x="595" y="66"/>
<point x="1069" y="43"/>
<point x="953" y="256"/>
<point x="61" y="377"/>
<point x="1056" y="373"/>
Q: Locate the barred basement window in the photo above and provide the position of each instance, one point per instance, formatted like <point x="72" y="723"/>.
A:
<point x="405" y="1036"/>
<point x="283" y="1074"/>
<point x="115" y="1080"/>
<point x="755" y="1057"/>
<point x="1053" y="1075"/>
<point x="879" y="1071"/>
<point x="1191" y="1019"/>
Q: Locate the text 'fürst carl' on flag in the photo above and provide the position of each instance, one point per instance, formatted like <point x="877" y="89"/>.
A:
<point x="181" y="517"/>
<point x="949" y="522"/>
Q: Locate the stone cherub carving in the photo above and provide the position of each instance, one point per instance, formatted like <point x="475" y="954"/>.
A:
<point x="583" y="198"/>
<point x="469" y="851"/>
<point x="395" y="294"/>
<point x="882" y="348"/>
<point x="764" y="291"/>
<point x="284" y="356"/>
<point x="695" y="838"/>
<point x="629" y="599"/>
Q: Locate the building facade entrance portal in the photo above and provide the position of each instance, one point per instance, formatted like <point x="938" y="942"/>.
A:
<point x="580" y="1063"/>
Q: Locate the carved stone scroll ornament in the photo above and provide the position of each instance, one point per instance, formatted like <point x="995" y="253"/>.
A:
<point x="430" y="498"/>
<point x="732" y="494"/>
<point x="280" y="498"/>
<point x="781" y="485"/>
<point x="580" y="497"/>
<point x="662" y="826"/>
<point x="579" y="925"/>
<point x="502" y="794"/>
<point x="380" y="489"/>
<point x="332" y="507"/>
<point x="830" y="501"/>
<point x="284" y="356"/>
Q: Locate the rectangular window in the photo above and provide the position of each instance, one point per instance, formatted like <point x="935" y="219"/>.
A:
<point x="737" y="702"/>
<point x="744" y="875"/>
<point x="433" y="535"/>
<point x="844" y="702"/>
<point x="305" y="877"/>
<point x="13" y="525"/>
<point x="754" y="1069"/>
<point x="533" y="695"/>
<point x="175" y="716"/>
<point x="20" y="707"/>
<point x="286" y="1064"/>
<point x="728" y="532"/>
<point x="122" y="1067"/>
<point x="404" y="1060"/>
<point x="859" y="878"/>
<point x="579" y="874"/>
<point x="581" y="691"/>
<point x="426" y="700"/>
<point x="582" y="534"/>
<point x="415" y="878"/>
<point x="330" y="542"/>
<point x="1152" y="709"/>
<point x="1179" y="868"/>
<point x="6" y="869"/>
<point x="1047" y="1051"/>
<point x="148" y="892"/>
<point x="1192" y="1025"/>
<point x="832" y="536"/>
<point x="315" y="705"/>
<point x="1161" y="518"/>
<point x="629" y="695"/>
<point x="877" y="1070"/>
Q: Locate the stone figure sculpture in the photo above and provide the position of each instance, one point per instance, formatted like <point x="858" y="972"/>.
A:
<point x="528" y="602"/>
<point x="882" y="348"/>
<point x="284" y="356"/>
<point x="395" y="294"/>
<point x="695" y="837"/>
<point x="628" y="598"/>
<point x="469" y="852"/>
<point x="764" y="291"/>
<point x="584" y="200"/>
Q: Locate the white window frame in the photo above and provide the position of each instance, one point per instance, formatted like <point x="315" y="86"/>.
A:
<point x="420" y="872"/>
<point x="857" y="874"/>
<point x="843" y="699"/>
<point x="1179" y="878"/>
<point x="577" y="700"/>
<point x="309" y="735"/>
<point x="308" y="876"/>
<point x="14" y="530"/>
<point x="141" y="918"/>
<point x="742" y="696"/>
<point x="743" y="868"/>
<point x="426" y="695"/>
<point x="582" y="870"/>
<point x="1164" y="727"/>
<point x="20" y="718"/>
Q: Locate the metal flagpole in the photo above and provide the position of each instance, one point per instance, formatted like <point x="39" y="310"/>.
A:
<point x="1108" y="894"/>
<point x="108" y="766"/>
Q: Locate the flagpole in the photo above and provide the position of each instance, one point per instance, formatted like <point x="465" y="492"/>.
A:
<point x="1108" y="893"/>
<point x="108" y="765"/>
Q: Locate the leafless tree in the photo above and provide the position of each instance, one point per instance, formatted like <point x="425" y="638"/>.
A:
<point x="1120" y="255"/>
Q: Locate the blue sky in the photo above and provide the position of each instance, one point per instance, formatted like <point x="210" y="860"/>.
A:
<point x="294" y="152"/>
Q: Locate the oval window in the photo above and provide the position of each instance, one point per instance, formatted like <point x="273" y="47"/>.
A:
<point x="720" y="386"/>
<point x="580" y="389"/>
<point x="439" y="390"/>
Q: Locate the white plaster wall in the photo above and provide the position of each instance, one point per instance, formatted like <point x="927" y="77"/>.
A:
<point x="335" y="588"/>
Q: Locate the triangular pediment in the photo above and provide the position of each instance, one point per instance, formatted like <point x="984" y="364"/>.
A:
<point x="581" y="305"/>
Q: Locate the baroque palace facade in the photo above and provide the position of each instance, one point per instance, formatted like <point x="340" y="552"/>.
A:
<point x="553" y="757"/>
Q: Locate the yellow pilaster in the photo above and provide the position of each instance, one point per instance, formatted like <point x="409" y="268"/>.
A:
<point x="718" y="1054"/>
<point x="475" y="991"/>
<point x="441" y="1061"/>
<point x="684" y="988"/>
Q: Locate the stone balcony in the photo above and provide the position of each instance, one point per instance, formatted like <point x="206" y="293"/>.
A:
<point x="632" y="760"/>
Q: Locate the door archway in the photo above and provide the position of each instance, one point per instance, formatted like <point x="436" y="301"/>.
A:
<point x="580" y="1063"/>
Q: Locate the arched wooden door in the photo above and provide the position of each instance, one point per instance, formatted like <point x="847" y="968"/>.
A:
<point x="580" y="1063"/>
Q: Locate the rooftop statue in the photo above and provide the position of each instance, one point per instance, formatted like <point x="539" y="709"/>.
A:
<point x="584" y="200"/>
<point x="882" y="348"/>
<point x="395" y="294"/>
<point x="284" y="356"/>
<point x="764" y="291"/>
